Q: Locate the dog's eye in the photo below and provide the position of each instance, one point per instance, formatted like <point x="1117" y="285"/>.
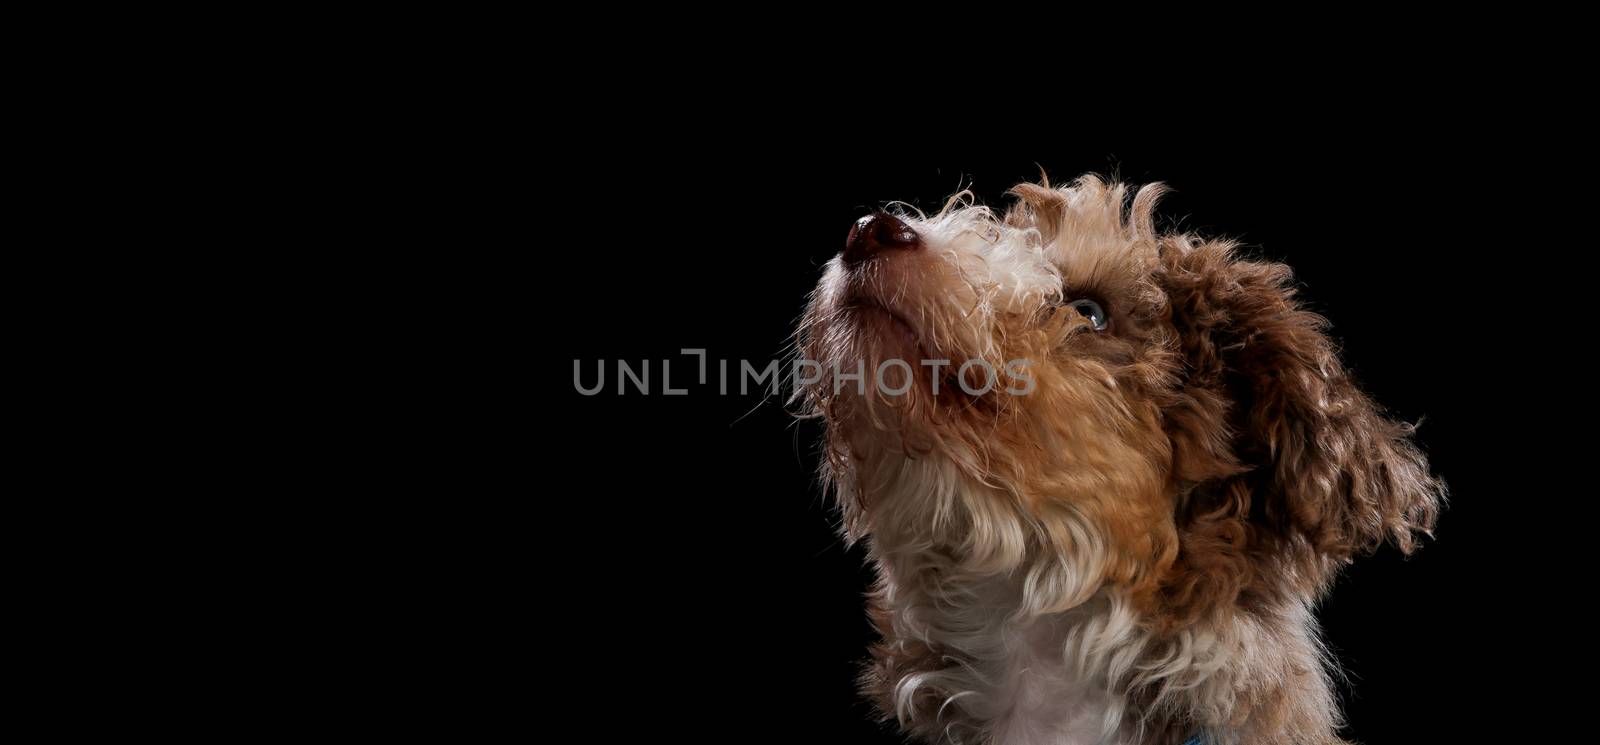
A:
<point x="1091" y="310"/>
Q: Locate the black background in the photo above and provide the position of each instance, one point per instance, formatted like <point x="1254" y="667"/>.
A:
<point x="407" y="517"/>
<point x="678" y="552"/>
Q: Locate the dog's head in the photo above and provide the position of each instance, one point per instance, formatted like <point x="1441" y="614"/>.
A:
<point x="1063" y="395"/>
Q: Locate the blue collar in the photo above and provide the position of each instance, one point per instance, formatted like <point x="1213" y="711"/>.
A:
<point x="1197" y="739"/>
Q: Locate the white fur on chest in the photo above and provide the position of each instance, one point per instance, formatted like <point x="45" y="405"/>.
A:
<point x="1048" y="704"/>
<point x="1022" y="682"/>
<point x="1008" y="674"/>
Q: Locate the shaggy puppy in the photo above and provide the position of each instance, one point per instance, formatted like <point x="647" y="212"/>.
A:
<point x="1124" y="546"/>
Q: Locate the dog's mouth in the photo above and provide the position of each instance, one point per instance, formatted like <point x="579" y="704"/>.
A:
<point x="863" y="304"/>
<point x="884" y="324"/>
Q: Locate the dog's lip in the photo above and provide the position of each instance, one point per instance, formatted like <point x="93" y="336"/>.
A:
<point x="861" y="303"/>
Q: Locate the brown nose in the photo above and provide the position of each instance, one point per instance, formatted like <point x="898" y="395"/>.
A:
<point x="876" y="233"/>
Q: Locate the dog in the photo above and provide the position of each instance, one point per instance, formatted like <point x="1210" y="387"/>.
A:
<point x="1127" y="546"/>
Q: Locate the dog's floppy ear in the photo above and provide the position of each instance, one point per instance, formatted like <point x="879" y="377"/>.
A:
<point x="1293" y="446"/>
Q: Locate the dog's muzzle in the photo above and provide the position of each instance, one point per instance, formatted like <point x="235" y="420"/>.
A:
<point x="877" y="234"/>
